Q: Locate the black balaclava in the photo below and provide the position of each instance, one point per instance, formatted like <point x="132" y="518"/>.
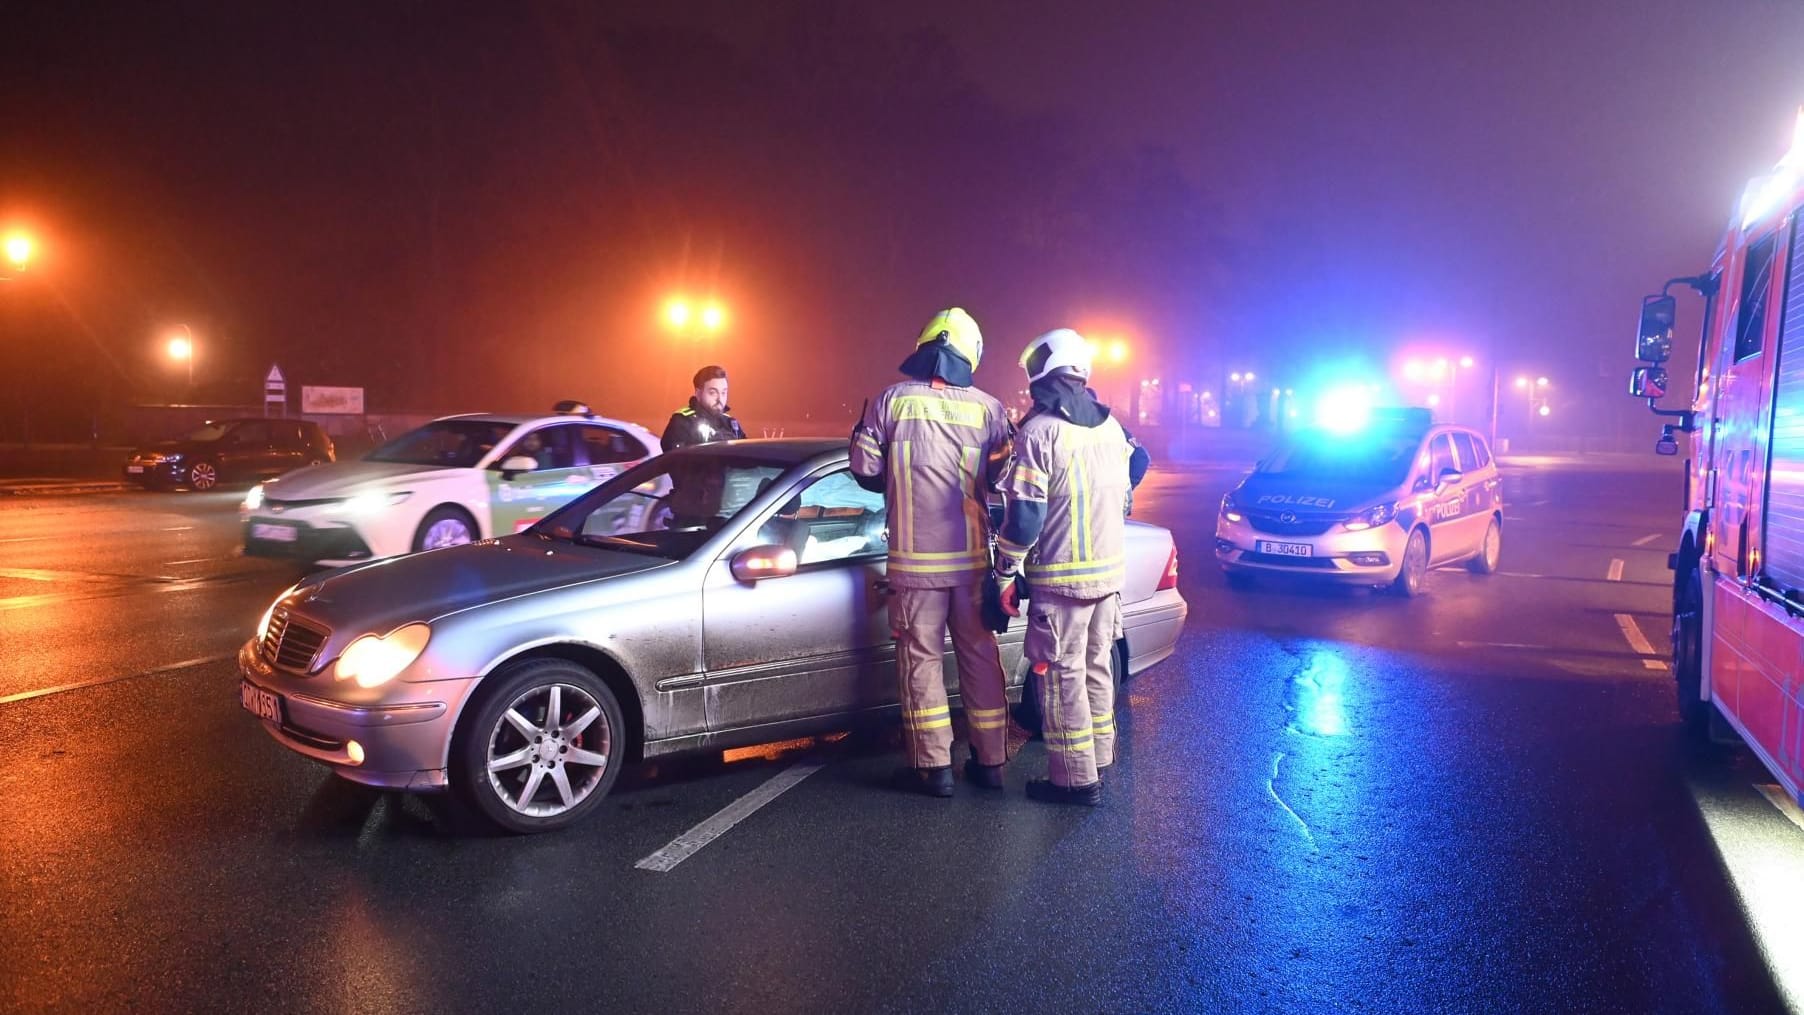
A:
<point x="1063" y="395"/>
<point x="937" y="359"/>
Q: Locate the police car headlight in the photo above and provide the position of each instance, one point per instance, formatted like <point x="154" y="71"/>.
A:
<point x="1371" y="518"/>
<point x="373" y="660"/>
<point x="1229" y="509"/>
<point x="254" y="499"/>
<point x="370" y="503"/>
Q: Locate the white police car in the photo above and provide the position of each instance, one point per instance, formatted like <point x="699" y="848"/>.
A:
<point x="452" y="481"/>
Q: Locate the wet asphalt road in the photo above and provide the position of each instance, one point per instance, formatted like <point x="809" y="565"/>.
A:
<point x="1328" y="800"/>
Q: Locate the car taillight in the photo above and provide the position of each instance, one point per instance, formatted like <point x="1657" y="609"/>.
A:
<point x="1169" y="580"/>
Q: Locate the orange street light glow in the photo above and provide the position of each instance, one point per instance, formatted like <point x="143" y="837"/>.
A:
<point x="1118" y="351"/>
<point x="713" y="317"/>
<point x="180" y="348"/>
<point x="676" y="313"/>
<point x="18" y="249"/>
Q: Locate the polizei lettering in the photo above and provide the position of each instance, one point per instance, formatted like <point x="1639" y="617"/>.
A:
<point x="1280" y="498"/>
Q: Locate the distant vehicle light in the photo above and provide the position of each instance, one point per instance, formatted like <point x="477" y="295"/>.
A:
<point x="254" y="498"/>
<point x="371" y="502"/>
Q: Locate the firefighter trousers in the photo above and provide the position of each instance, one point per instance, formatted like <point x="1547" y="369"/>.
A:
<point x="1071" y="645"/>
<point x="920" y="619"/>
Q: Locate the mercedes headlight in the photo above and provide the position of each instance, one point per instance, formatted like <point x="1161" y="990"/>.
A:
<point x="1371" y="518"/>
<point x="1229" y="509"/>
<point x="373" y="660"/>
<point x="254" y="499"/>
<point x="373" y="502"/>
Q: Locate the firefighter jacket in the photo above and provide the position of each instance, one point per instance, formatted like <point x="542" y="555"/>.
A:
<point x="1080" y="475"/>
<point x="940" y="449"/>
<point x="693" y="424"/>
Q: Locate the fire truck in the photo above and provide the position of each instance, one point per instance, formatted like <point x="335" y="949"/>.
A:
<point x="1738" y="573"/>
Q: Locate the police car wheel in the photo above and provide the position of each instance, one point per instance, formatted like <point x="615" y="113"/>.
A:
<point x="1415" y="566"/>
<point x="444" y="526"/>
<point x="1490" y="553"/>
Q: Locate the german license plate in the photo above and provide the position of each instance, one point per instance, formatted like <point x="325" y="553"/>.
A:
<point x="1283" y="549"/>
<point x="134" y="468"/>
<point x="274" y="533"/>
<point x="265" y="705"/>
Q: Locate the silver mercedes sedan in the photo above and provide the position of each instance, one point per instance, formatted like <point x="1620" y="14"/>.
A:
<point x="715" y="597"/>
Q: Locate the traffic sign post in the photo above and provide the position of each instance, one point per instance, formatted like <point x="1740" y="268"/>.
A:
<point x="275" y="391"/>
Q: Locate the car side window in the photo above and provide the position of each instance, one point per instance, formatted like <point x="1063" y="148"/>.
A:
<point x="605" y="445"/>
<point x="1440" y="458"/>
<point x="1484" y="450"/>
<point x="250" y="435"/>
<point x="553" y="447"/>
<point x="1468" y="455"/>
<point x="833" y="518"/>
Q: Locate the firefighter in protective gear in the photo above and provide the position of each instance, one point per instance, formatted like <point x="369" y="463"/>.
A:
<point x="706" y="418"/>
<point x="1066" y="495"/>
<point x="934" y="445"/>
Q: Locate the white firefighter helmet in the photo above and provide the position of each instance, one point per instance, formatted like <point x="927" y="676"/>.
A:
<point x="1061" y="349"/>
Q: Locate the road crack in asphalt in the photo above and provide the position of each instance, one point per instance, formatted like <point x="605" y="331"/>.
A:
<point x="1272" y="788"/>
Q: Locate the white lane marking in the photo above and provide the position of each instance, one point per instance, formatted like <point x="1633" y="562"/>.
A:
<point x="1615" y="574"/>
<point x="1644" y="540"/>
<point x="178" y="528"/>
<point x="1776" y="796"/>
<point x="60" y="688"/>
<point x="27" y="539"/>
<point x="689" y="843"/>
<point x="194" y="560"/>
<point x="1633" y="635"/>
<point x="1271" y="788"/>
<point x="1501" y="644"/>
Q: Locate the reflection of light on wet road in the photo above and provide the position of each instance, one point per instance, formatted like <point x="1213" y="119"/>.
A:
<point x="1316" y="696"/>
<point x="1765" y="861"/>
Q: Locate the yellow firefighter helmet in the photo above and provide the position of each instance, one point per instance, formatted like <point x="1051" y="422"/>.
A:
<point x="959" y="331"/>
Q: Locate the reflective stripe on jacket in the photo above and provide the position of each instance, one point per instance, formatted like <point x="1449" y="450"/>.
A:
<point x="941" y="450"/>
<point x="1081" y="475"/>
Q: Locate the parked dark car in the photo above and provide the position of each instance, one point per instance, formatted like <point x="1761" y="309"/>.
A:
<point x="230" y="450"/>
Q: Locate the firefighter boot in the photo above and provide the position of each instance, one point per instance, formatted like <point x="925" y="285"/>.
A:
<point x="979" y="774"/>
<point x="925" y="781"/>
<point x="1047" y="791"/>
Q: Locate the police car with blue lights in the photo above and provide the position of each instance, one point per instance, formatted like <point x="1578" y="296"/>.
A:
<point x="1378" y="500"/>
<point x="452" y="481"/>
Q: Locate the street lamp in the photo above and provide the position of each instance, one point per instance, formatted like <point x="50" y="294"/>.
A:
<point x="19" y="248"/>
<point x="181" y="348"/>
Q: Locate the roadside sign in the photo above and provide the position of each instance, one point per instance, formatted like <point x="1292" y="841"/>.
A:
<point x="327" y="400"/>
<point x="275" y="391"/>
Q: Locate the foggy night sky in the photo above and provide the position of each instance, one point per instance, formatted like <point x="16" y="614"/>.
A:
<point x="483" y="206"/>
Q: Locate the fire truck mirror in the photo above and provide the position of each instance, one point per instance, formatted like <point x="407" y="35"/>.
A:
<point x="1648" y="382"/>
<point x="1666" y="445"/>
<point x="1654" y="342"/>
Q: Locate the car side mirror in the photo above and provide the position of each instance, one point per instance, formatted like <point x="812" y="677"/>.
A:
<point x="760" y="562"/>
<point x="1648" y="382"/>
<point x="517" y="464"/>
<point x="1653" y="340"/>
<point x="1667" y="444"/>
<point x="1447" y="478"/>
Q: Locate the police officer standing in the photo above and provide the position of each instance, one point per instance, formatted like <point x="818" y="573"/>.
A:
<point x="706" y="418"/>
<point x="1065" y="501"/>
<point x="934" y="445"/>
